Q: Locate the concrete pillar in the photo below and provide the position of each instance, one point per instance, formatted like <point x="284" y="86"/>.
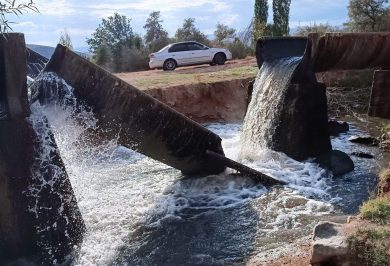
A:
<point x="39" y="217"/>
<point x="380" y="95"/>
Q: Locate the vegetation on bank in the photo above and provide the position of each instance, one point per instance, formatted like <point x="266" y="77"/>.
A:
<point x="371" y="244"/>
<point x="163" y="80"/>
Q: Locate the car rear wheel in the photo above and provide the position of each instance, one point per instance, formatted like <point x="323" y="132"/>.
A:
<point x="169" y="65"/>
<point x="220" y="59"/>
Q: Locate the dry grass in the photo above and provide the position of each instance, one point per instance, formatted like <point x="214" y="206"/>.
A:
<point x="376" y="210"/>
<point x="371" y="246"/>
<point x="164" y="79"/>
<point x="346" y="100"/>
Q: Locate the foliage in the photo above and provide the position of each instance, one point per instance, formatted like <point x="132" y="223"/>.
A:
<point x="222" y="33"/>
<point x="316" y="28"/>
<point x="65" y="40"/>
<point x="376" y="210"/>
<point x="103" y="57"/>
<point x="153" y="27"/>
<point x="281" y="10"/>
<point x="134" y="59"/>
<point x="371" y="246"/>
<point x="239" y="50"/>
<point x="114" y="32"/>
<point x="259" y="23"/>
<point x="188" y="32"/>
<point x="8" y="7"/>
<point x="368" y="15"/>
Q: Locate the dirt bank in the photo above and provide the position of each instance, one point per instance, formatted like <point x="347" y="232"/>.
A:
<point x="222" y="101"/>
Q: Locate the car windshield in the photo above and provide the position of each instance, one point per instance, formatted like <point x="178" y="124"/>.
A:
<point x="169" y="45"/>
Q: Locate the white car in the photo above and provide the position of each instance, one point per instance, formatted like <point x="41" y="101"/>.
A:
<point x="188" y="53"/>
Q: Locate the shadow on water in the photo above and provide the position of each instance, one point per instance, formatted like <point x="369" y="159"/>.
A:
<point x="198" y="234"/>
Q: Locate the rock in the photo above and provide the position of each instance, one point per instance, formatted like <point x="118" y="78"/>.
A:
<point x="337" y="161"/>
<point x="337" y="127"/>
<point x="384" y="183"/>
<point x="385" y="145"/>
<point x="330" y="245"/>
<point x="363" y="155"/>
<point x="365" y="140"/>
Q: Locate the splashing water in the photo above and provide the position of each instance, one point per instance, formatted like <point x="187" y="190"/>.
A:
<point x="140" y="212"/>
<point x="268" y="95"/>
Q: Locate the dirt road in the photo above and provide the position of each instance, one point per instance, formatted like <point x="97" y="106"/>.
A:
<point x="152" y="79"/>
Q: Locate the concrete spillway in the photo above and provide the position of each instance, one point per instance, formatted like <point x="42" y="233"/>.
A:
<point x="288" y="110"/>
<point x="347" y="51"/>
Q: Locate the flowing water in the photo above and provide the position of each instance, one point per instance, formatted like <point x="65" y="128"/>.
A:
<point x="268" y="95"/>
<point x="141" y="212"/>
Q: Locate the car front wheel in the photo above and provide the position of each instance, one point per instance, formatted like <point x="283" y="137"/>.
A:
<point x="220" y="59"/>
<point x="169" y="65"/>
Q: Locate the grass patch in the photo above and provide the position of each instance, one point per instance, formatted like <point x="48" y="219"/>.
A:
<point x="371" y="246"/>
<point x="384" y="176"/>
<point x="376" y="210"/>
<point x="167" y="79"/>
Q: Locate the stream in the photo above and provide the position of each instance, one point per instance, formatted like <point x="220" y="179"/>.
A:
<point x="140" y="212"/>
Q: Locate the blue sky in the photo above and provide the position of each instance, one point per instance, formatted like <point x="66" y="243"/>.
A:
<point x="81" y="17"/>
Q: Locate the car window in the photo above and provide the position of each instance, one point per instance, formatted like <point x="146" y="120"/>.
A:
<point x="194" y="46"/>
<point x="178" y="48"/>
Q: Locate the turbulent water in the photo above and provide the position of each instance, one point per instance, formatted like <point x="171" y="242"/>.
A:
<point x="140" y="212"/>
<point x="267" y="97"/>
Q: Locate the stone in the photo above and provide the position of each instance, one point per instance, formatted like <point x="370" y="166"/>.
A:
<point x="385" y="145"/>
<point x="337" y="127"/>
<point x="365" y="140"/>
<point x="330" y="245"/>
<point x="336" y="161"/>
<point x="363" y="155"/>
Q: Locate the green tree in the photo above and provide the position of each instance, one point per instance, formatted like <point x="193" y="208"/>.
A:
<point x="316" y="28"/>
<point x="281" y="10"/>
<point x="115" y="33"/>
<point x="260" y="19"/>
<point x="103" y="57"/>
<point x="65" y="39"/>
<point x="156" y="37"/>
<point x="368" y="15"/>
<point x="154" y="29"/>
<point x="222" y="33"/>
<point x="9" y="7"/>
<point x="188" y="32"/>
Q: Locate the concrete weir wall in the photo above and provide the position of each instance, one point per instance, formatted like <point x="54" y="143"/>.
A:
<point x="141" y="122"/>
<point x="39" y="217"/>
<point x="380" y="95"/>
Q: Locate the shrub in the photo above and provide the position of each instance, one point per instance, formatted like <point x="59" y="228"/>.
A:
<point x="371" y="246"/>
<point x="239" y="50"/>
<point x="376" y="210"/>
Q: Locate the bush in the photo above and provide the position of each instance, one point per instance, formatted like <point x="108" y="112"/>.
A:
<point x="371" y="246"/>
<point x="239" y="50"/>
<point x="134" y="60"/>
<point x="376" y="210"/>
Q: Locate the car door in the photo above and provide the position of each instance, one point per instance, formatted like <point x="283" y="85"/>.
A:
<point x="199" y="53"/>
<point x="180" y="53"/>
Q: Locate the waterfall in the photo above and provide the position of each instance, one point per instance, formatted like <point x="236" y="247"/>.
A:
<point x="263" y="112"/>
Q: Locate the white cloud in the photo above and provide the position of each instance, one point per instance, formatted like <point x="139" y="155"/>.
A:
<point x="59" y="8"/>
<point x="161" y="5"/>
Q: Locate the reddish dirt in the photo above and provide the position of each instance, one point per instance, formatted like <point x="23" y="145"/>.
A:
<point x="249" y="61"/>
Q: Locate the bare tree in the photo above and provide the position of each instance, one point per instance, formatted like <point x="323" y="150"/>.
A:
<point x="65" y="39"/>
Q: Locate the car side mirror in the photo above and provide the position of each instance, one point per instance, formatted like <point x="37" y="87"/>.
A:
<point x="206" y="48"/>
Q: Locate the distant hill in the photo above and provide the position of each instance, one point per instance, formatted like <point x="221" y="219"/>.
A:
<point x="47" y="51"/>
